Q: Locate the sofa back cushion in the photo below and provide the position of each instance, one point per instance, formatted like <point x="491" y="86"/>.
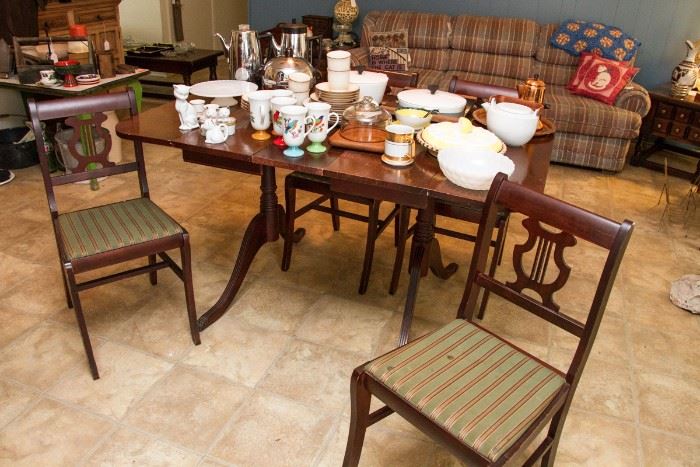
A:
<point x="493" y="46"/>
<point x="553" y="65"/>
<point x="428" y="35"/>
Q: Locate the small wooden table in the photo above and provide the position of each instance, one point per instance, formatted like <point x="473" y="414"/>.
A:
<point x="417" y="186"/>
<point x="181" y="64"/>
<point x="670" y="120"/>
<point x="81" y="90"/>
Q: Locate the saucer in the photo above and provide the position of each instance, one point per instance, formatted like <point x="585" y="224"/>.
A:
<point x="57" y="84"/>
<point x="396" y="163"/>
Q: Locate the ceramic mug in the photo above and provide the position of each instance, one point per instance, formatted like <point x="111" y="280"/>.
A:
<point x="399" y="145"/>
<point x="299" y="82"/>
<point x="48" y="77"/>
<point x="338" y="60"/>
<point x="301" y="97"/>
<point x="276" y="103"/>
<point x="320" y="114"/>
<point x="259" y="103"/>
<point x="281" y="93"/>
<point x="294" y="121"/>
<point x="230" y="123"/>
<point x="198" y="105"/>
<point x="338" y="80"/>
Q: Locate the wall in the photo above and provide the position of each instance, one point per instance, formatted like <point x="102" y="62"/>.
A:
<point x="137" y="20"/>
<point x="662" y="26"/>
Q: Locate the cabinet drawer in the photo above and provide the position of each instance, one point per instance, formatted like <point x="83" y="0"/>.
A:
<point x="96" y="16"/>
<point x="694" y="135"/>
<point x="664" y="110"/>
<point x="53" y="24"/>
<point x="678" y="130"/>
<point x="696" y="118"/>
<point x="682" y="115"/>
<point x="660" y="126"/>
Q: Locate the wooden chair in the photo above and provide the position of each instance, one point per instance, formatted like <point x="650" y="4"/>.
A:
<point x="399" y="80"/>
<point x="452" y="210"/>
<point x="482" y="397"/>
<point x="321" y="186"/>
<point x="113" y="233"/>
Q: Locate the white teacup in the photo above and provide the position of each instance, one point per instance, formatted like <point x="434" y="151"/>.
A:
<point x="48" y="77"/>
<point x="281" y="93"/>
<point x="259" y="102"/>
<point x="276" y="103"/>
<point x="198" y="105"/>
<point x="294" y="121"/>
<point x="299" y="82"/>
<point x="338" y="80"/>
<point x="320" y="115"/>
<point x="338" y="60"/>
<point x="398" y="145"/>
<point x="301" y="97"/>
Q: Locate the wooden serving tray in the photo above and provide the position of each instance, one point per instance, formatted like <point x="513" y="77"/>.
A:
<point x="337" y="140"/>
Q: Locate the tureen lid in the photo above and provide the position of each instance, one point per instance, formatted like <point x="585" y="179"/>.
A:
<point x="366" y="111"/>
<point x="367" y="77"/>
<point x="441" y="101"/>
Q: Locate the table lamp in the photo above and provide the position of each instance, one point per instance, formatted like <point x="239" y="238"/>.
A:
<point x="345" y="13"/>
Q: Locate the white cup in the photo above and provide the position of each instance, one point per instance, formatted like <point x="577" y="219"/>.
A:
<point x="198" y="105"/>
<point x="259" y="102"/>
<point x="294" y="121"/>
<point x="230" y="123"/>
<point x="338" y="80"/>
<point x="320" y="114"/>
<point x="299" y="82"/>
<point x="276" y="103"/>
<point x="301" y="97"/>
<point x="281" y="93"/>
<point x="338" y="60"/>
<point x="398" y="144"/>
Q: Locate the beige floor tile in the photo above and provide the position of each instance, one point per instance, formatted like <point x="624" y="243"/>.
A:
<point x="13" y="400"/>
<point x="661" y="352"/>
<point x="125" y="376"/>
<point x="606" y="388"/>
<point x="272" y="430"/>
<point x="313" y="374"/>
<point x="43" y="355"/>
<point x="235" y="349"/>
<point x="50" y="434"/>
<point x="661" y="448"/>
<point x="187" y="407"/>
<point x="256" y="305"/>
<point x="343" y="324"/>
<point x="589" y="439"/>
<point x="15" y="324"/>
<point x="669" y="403"/>
<point x="129" y="447"/>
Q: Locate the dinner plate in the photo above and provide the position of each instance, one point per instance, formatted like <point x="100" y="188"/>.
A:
<point x="325" y="88"/>
<point x="223" y="88"/>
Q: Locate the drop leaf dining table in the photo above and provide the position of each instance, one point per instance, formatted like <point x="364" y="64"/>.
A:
<point x="417" y="186"/>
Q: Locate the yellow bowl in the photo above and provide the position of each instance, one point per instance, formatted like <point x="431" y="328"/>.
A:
<point x="415" y="118"/>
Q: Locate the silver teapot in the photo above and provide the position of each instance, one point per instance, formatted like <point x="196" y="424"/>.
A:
<point x="294" y="37"/>
<point x="243" y="53"/>
<point x="276" y="71"/>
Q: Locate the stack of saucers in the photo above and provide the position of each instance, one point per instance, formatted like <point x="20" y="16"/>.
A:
<point x="244" y="103"/>
<point x="339" y="100"/>
<point x="88" y="79"/>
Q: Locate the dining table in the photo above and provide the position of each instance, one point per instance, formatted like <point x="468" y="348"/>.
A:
<point x="355" y="172"/>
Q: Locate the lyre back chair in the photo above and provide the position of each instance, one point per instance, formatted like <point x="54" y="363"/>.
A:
<point x="321" y="186"/>
<point x="113" y="233"/>
<point x="483" y="398"/>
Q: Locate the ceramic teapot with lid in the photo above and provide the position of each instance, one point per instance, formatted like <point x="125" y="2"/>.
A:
<point x="532" y="90"/>
<point x="515" y="124"/>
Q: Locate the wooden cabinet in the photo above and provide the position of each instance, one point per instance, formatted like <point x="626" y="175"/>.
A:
<point x="101" y="17"/>
<point x="670" y="120"/>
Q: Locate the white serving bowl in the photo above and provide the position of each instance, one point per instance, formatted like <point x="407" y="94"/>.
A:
<point x="371" y="84"/>
<point x="415" y="118"/>
<point x="473" y="170"/>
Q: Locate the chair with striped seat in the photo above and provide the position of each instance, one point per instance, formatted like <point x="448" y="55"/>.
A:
<point x="113" y="233"/>
<point x="484" y="398"/>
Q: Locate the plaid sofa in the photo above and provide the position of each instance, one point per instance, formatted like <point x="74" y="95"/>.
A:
<point x="506" y="51"/>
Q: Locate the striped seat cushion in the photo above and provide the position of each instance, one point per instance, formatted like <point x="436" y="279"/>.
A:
<point x="476" y="386"/>
<point x="113" y="226"/>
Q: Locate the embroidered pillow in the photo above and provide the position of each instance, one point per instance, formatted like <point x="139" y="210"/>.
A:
<point x="600" y="78"/>
<point x="389" y="50"/>
<point x="575" y="37"/>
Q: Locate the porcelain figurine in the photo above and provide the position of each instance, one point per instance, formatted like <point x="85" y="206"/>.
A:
<point x="685" y="74"/>
<point x="217" y="134"/>
<point x="186" y="111"/>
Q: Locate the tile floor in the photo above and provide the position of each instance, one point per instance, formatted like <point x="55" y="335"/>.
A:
<point x="269" y="384"/>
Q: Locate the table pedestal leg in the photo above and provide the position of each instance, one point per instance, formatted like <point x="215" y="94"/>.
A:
<point x="263" y="228"/>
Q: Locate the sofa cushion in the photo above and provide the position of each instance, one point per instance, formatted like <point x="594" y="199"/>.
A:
<point x="548" y="54"/>
<point x="578" y="114"/>
<point x="430" y="58"/>
<point x="425" y="30"/>
<point x="576" y="36"/>
<point x="600" y="78"/>
<point x="509" y="66"/>
<point x="426" y="77"/>
<point x="590" y="151"/>
<point x="493" y="35"/>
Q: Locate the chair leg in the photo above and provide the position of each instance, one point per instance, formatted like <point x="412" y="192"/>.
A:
<point x="401" y="224"/>
<point x="77" y="307"/>
<point x="186" y="256"/>
<point x="153" y="275"/>
<point x="397" y="226"/>
<point x="495" y="261"/>
<point x="290" y="194"/>
<point x="372" y="222"/>
<point x="359" y="419"/>
<point x="69" y="301"/>
<point x="554" y="432"/>
<point x="334" y="216"/>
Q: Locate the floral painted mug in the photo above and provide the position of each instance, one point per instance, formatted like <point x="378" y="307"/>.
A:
<point x="294" y="122"/>
<point x="320" y="114"/>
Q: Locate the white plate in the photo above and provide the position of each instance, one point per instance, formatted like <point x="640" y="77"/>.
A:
<point x="223" y="88"/>
<point x="324" y="87"/>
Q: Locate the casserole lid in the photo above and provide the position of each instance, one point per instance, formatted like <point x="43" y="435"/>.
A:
<point x="442" y="102"/>
<point x="368" y="77"/>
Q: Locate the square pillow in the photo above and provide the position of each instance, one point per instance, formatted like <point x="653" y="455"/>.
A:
<point x="600" y="78"/>
<point x="388" y="50"/>
<point x="576" y="37"/>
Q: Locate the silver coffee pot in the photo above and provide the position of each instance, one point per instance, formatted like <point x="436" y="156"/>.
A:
<point x="276" y="71"/>
<point x="243" y="53"/>
<point x="293" y="36"/>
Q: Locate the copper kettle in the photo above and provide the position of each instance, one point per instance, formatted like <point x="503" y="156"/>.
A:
<point x="532" y="90"/>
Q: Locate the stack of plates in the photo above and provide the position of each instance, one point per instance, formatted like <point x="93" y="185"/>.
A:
<point x="88" y="79"/>
<point x="244" y="103"/>
<point x="339" y="100"/>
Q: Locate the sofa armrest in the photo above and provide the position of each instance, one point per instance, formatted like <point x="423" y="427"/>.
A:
<point x="635" y="98"/>
<point x="359" y="56"/>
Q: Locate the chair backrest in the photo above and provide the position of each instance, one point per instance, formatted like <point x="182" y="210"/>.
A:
<point x="552" y="226"/>
<point x="400" y="79"/>
<point x="90" y="142"/>
<point x="479" y="90"/>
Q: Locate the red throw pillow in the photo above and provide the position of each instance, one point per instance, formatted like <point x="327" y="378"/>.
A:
<point x="600" y="78"/>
